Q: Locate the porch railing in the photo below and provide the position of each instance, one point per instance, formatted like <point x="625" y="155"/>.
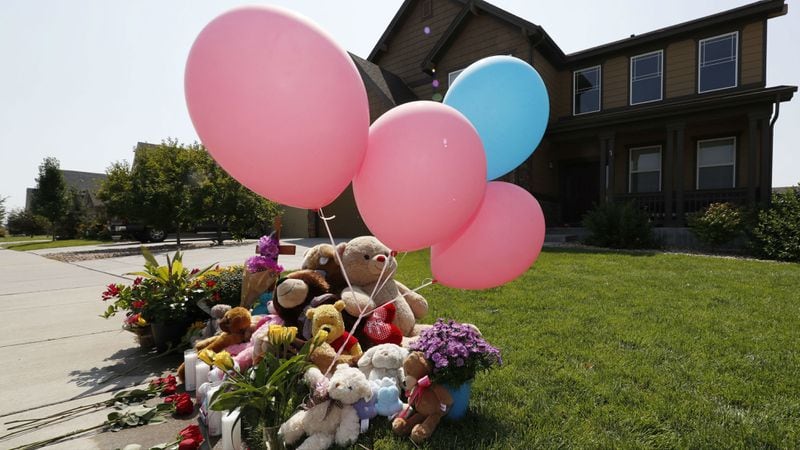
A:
<point x="653" y="203"/>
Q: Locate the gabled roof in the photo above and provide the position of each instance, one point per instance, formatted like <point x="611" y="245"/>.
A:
<point x="87" y="183"/>
<point x="389" y="84"/>
<point x="539" y="37"/>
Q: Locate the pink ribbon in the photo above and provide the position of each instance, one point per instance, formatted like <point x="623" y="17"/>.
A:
<point x="422" y="385"/>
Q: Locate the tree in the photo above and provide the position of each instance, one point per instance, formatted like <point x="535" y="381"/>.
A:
<point x="21" y="222"/>
<point x="2" y="210"/>
<point x="50" y="198"/>
<point x="116" y="191"/>
<point x="75" y="217"/>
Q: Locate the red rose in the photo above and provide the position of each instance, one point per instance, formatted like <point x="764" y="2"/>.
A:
<point x="191" y="432"/>
<point x="189" y="444"/>
<point x="183" y="403"/>
<point x="170" y="379"/>
<point x="170" y="389"/>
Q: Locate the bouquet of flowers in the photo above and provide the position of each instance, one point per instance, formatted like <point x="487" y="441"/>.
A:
<point x="458" y="352"/>
<point x="261" y="271"/>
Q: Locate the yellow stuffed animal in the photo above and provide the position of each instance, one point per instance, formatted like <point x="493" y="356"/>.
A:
<point x="328" y="318"/>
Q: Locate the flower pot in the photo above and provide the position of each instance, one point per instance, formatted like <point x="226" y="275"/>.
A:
<point x="460" y="396"/>
<point x="166" y="334"/>
<point x="272" y="439"/>
<point x="144" y="336"/>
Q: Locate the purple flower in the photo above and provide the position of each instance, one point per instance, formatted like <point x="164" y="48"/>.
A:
<point x="268" y="247"/>
<point x="260" y="263"/>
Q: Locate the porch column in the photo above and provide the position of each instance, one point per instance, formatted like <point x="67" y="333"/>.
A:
<point x="606" y="159"/>
<point x="667" y="177"/>
<point x="675" y="150"/>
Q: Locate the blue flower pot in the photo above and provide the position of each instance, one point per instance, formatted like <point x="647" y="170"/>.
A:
<point x="460" y="396"/>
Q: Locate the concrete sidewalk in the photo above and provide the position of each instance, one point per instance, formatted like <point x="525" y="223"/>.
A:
<point x="59" y="352"/>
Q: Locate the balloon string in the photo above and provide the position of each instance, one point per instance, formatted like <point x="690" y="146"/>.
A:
<point x="423" y="285"/>
<point x="362" y="311"/>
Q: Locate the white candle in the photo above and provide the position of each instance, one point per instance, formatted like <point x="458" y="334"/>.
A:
<point x="214" y="421"/>
<point x="189" y="363"/>
<point x="231" y="431"/>
<point x="201" y="375"/>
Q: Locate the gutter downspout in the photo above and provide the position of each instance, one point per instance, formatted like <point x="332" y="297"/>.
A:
<point x="771" y="129"/>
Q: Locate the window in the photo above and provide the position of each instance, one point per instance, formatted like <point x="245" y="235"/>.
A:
<point x="646" y="76"/>
<point x="717" y="65"/>
<point x="451" y="77"/>
<point x="586" y="90"/>
<point x="716" y="163"/>
<point x="645" y="169"/>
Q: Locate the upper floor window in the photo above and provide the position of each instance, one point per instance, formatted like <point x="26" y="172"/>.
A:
<point x="717" y="62"/>
<point x="644" y="173"/>
<point x="716" y="163"/>
<point x="451" y="77"/>
<point x="586" y="90"/>
<point x="646" y="77"/>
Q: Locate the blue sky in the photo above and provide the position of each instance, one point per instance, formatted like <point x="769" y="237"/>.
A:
<point x="85" y="80"/>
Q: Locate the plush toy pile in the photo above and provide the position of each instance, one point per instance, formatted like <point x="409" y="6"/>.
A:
<point x="363" y="322"/>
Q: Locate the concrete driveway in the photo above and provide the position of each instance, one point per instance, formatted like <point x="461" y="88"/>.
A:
<point x="59" y="353"/>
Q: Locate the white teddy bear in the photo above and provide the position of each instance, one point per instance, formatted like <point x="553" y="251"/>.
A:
<point x="332" y="420"/>
<point x="385" y="360"/>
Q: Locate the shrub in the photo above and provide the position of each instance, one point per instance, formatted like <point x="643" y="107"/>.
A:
<point x="227" y="285"/>
<point x="2" y="231"/>
<point x="718" y="224"/>
<point x="618" y="225"/>
<point x="25" y="223"/>
<point x="777" y="233"/>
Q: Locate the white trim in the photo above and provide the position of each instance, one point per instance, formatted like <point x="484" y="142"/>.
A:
<point x="599" y="89"/>
<point x="660" y="77"/>
<point x="453" y="75"/>
<point x="630" y="166"/>
<point x="698" y="166"/>
<point x="735" y="65"/>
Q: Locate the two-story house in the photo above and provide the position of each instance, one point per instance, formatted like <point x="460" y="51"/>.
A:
<point x="672" y="120"/>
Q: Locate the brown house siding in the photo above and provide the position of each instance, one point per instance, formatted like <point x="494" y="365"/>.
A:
<point x="752" y="53"/>
<point x="409" y="45"/>
<point x="564" y="99"/>
<point x="615" y="82"/>
<point x="681" y="68"/>
<point x="552" y="79"/>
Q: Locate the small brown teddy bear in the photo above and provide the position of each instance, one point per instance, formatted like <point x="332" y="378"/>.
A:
<point x="235" y="326"/>
<point x="427" y="402"/>
<point x="322" y="259"/>
<point x="328" y="318"/>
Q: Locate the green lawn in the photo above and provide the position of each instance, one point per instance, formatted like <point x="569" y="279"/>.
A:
<point x="610" y="350"/>
<point x="52" y="244"/>
<point x="23" y="238"/>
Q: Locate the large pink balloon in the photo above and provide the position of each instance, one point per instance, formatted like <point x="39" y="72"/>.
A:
<point x="500" y="244"/>
<point x="423" y="176"/>
<point x="278" y="104"/>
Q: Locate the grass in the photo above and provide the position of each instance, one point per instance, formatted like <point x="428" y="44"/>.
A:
<point x="610" y="350"/>
<point x="51" y="244"/>
<point x="23" y="238"/>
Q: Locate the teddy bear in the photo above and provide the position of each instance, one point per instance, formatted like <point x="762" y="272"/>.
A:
<point x="427" y="402"/>
<point x="387" y="401"/>
<point x="294" y="293"/>
<point x="364" y="259"/>
<point x="217" y="313"/>
<point x="330" y="421"/>
<point x="385" y="360"/>
<point x="322" y="259"/>
<point x="328" y="318"/>
<point x="235" y="326"/>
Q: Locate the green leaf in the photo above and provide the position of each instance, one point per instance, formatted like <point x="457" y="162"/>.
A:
<point x="151" y="260"/>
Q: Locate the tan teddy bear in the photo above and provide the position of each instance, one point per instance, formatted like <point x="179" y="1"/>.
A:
<point x="427" y="402"/>
<point x="328" y="318"/>
<point x="364" y="259"/>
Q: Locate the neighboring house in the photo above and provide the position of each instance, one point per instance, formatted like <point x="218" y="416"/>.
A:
<point x="86" y="184"/>
<point x="672" y="120"/>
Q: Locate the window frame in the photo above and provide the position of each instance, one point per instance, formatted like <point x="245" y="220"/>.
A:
<point x="660" y="168"/>
<point x="735" y="34"/>
<point x="661" y="78"/>
<point x="451" y="78"/>
<point x="698" y="166"/>
<point x="599" y="68"/>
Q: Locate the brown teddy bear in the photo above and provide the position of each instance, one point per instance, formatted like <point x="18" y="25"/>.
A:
<point x="294" y="293"/>
<point x="235" y="325"/>
<point x="328" y="318"/>
<point x="364" y="258"/>
<point x="427" y="402"/>
<point x="322" y="259"/>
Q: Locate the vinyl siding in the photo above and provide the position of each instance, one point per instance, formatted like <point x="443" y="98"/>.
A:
<point x="681" y="68"/>
<point x="752" y="49"/>
<point x="615" y="83"/>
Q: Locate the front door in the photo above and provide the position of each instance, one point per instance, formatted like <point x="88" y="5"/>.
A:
<point x="580" y="190"/>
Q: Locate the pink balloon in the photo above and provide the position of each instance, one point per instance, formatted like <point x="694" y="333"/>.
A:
<point x="500" y="243"/>
<point x="280" y="106"/>
<point x="423" y="176"/>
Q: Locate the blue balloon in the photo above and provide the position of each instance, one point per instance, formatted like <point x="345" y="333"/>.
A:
<point x="506" y="101"/>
